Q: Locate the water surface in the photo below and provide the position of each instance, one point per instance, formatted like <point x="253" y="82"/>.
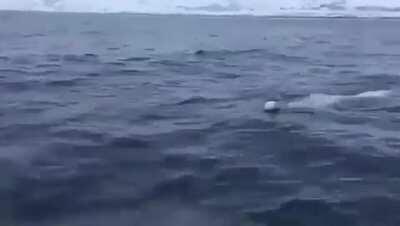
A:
<point x="158" y="120"/>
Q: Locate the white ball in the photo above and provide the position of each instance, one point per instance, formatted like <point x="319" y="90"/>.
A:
<point x="271" y="106"/>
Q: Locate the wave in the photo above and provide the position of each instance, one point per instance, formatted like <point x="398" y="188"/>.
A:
<point x="220" y="54"/>
<point x="361" y="8"/>
<point x="313" y="212"/>
<point x="253" y="53"/>
<point x="198" y="100"/>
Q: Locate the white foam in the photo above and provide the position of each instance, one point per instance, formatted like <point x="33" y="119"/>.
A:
<point x="216" y="7"/>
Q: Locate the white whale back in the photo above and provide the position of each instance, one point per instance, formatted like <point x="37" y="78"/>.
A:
<point x="319" y="100"/>
<point x="324" y="100"/>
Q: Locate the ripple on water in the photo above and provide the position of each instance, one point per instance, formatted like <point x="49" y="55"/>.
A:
<point x="8" y="71"/>
<point x="133" y="59"/>
<point x="366" y="211"/>
<point x="113" y="48"/>
<point x="85" y="58"/>
<point x="116" y="63"/>
<point x="93" y="74"/>
<point x="34" y="35"/>
<point x="190" y="161"/>
<point x="20" y="86"/>
<point x="24" y="60"/>
<point x="227" y="75"/>
<point x="131" y="71"/>
<point x="48" y="65"/>
<point x="128" y="142"/>
<point x="66" y="83"/>
<point x="186" y="186"/>
<point x="4" y="58"/>
<point x="94" y="136"/>
<point x="92" y="33"/>
<point x="199" y="100"/>
<point x="302" y="212"/>
<point x="243" y="175"/>
<point x="53" y="57"/>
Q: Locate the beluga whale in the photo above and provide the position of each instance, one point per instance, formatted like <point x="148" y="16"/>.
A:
<point x="319" y="101"/>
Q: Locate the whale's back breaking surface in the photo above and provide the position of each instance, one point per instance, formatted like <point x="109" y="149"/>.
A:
<point x="271" y="107"/>
<point x="325" y="100"/>
<point x="319" y="100"/>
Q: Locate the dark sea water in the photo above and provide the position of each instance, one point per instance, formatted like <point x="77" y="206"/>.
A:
<point x="158" y="121"/>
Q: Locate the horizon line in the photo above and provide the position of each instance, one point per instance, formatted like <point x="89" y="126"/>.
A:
<point x="298" y="14"/>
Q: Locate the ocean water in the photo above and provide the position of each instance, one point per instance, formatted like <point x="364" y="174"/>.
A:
<point x="147" y="120"/>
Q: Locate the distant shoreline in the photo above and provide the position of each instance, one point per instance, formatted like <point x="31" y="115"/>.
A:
<point x="228" y="15"/>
